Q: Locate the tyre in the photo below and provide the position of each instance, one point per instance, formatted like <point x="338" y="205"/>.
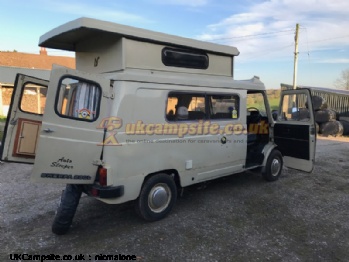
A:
<point x="345" y="125"/>
<point x="319" y="103"/>
<point x="273" y="167"/>
<point x="323" y="116"/>
<point x="332" y="128"/>
<point x="66" y="210"/>
<point x="157" y="197"/>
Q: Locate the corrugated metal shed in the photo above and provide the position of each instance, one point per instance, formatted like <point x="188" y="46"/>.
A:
<point x="336" y="99"/>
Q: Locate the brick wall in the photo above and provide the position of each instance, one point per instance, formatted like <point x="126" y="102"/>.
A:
<point x="29" y="101"/>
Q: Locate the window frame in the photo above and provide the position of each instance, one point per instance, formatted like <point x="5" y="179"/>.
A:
<point x="185" y="52"/>
<point x="199" y="94"/>
<point x="299" y="101"/>
<point x="208" y="105"/>
<point x="21" y="97"/>
<point x="223" y="94"/>
<point x="266" y="104"/>
<point x="79" y="79"/>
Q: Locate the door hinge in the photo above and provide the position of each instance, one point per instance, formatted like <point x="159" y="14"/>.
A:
<point x="13" y="122"/>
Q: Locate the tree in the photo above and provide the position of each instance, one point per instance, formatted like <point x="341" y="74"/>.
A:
<point x="343" y="81"/>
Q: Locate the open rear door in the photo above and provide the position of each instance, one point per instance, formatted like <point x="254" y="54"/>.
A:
<point x="295" y="130"/>
<point x="24" y="119"/>
<point x="69" y="147"/>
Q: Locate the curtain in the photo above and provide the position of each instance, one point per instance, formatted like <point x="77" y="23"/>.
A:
<point x="86" y="99"/>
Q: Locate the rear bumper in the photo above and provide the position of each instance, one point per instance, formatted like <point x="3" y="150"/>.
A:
<point x="107" y="192"/>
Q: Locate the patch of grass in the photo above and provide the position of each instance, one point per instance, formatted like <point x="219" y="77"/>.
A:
<point x="3" y="119"/>
<point x="274" y="103"/>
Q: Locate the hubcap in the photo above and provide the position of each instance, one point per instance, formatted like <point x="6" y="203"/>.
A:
<point x="159" y="198"/>
<point x="275" y="167"/>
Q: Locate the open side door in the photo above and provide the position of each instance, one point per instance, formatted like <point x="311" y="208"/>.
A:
<point x="69" y="148"/>
<point x="295" y="130"/>
<point x="24" y="119"/>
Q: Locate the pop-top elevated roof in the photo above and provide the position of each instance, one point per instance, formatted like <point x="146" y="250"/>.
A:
<point x="66" y="36"/>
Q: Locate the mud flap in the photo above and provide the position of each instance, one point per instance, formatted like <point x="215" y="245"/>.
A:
<point x="66" y="210"/>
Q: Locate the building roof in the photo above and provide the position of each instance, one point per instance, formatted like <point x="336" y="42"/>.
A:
<point x="34" y="61"/>
<point x="67" y="36"/>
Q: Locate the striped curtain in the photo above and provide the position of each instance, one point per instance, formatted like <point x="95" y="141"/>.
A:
<point x="87" y="97"/>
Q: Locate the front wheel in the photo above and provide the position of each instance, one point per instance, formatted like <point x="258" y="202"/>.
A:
<point x="273" y="167"/>
<point x="157" y="197"/>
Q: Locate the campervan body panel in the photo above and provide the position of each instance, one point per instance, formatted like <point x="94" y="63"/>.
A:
<point x="198" y="150"/>
<point x="109" y="54"/>
<point x="134" y="114"/>
<point x="70" y="141"/>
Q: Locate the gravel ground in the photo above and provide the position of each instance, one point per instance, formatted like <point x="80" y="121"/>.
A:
<point x="300" y="217"/>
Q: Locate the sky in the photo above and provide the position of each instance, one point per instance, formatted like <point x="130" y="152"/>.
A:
<point x="263" y="31"/>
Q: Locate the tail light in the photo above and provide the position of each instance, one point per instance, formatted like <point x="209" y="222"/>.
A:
<point x="102" y="173"/>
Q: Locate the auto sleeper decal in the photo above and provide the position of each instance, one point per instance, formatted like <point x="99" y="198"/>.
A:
<point x="63" y="163"/>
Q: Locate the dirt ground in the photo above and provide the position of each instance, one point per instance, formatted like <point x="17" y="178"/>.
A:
<point x="300" y="217"/>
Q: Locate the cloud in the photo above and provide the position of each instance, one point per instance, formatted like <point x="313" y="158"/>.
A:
<point x="334" y="61"/>
<point x="266" y="29"/>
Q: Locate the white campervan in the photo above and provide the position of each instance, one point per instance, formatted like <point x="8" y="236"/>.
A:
<point x="145" y="115"/>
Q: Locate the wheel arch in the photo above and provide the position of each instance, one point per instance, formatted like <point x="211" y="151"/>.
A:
<point x="171" y="172"/>
<point x="267" y="151"/>
<point x="158" y="195"/>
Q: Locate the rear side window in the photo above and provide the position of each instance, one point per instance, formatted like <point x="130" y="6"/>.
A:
<point x="78" y="99"/>
<point x="200" y="106"/>
<point x="184" y="106"/>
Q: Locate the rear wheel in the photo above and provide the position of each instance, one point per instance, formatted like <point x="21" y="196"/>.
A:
<point x="157" y="197"/>
<point x="66" y="210"/>
<point x="273" y="167"/>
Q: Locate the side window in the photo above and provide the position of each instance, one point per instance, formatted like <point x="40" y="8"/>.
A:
<point x="184" y="58"/>
<point x="185" y="106"/>
<point x="224" y="106"/>
<point x="33" y="98"/>
<point x="78" y="99"/>
<point x="294" y="107"/>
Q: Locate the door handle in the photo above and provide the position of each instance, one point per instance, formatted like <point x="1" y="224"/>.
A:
<point x="48" y="130"/>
